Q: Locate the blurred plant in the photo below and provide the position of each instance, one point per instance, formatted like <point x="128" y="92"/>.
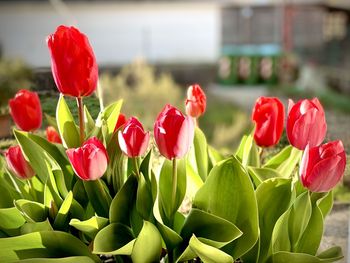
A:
<point x="141" y="88"/>
<point x="14" y="75"/>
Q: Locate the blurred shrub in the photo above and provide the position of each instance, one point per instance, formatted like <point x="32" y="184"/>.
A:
<point x="14" y="75"/>
<point x="144" y="92"/>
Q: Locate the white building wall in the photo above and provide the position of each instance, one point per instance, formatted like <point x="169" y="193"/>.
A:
<point x="118" y="32"/>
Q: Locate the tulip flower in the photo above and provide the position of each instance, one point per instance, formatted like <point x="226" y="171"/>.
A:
<point x="90" y="160"/>
<point x="120" y="122"/>
<point x="196" y="101"/>
<point x="173" y="132"/>
<point x="17" y="163"/>
<point x="306" y="123"/>
<point x="268" y="115"/>
<point x="133" y="140"/>
<point x="52" y="135"/>
<point x="73" y="62"/>
<point x="25" y="110"/>
<point x="322" y="167"/>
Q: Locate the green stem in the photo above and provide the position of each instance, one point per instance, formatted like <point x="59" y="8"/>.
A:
<point x="81" y="119"/>
<point x="136" y="167"/>
<point x="173" y="193"/>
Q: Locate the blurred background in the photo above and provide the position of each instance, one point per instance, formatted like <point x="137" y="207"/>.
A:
<point x="149" y="52"/>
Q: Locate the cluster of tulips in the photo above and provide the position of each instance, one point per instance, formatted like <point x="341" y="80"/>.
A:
<point x="93" y="193"/>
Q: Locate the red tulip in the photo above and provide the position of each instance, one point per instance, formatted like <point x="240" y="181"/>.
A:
<point x="73" y="62"/>
<point x="268" y="115"/>
<point x="133" y="140"/>
<point x="52" y="135"/>
<point x="120" y="122"/>
<point x="17" y="163"/>
<point x="306" y="123"/>
<point x="90" y="160"/>
<point x="322" y="167"/>
<point x="25" y="110"/>
<point x="173" y="132"/>
<point x="196" y="101"/>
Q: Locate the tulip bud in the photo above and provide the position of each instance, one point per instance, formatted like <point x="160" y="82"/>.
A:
<point x="306" y="123"/>
<point x="73" y="62"/>
<point x="322" y="167"/>
<point x="120" y="122"/>
<point x="52" y="135"/>
<point x="173" y="132"/>
<point x="196" y="101"/>
<point x="17" y="163"/>
<point x="133" y="140"/>
<point x="90" y="160"/>
<point x="268" y="115"/>
<point x="25" y="110"/>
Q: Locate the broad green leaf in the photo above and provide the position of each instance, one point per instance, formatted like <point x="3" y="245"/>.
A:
<point x="259" y="175"/>
<point x="217" y="231"/>
<point x="46" y="244"/>
<point x="250" y="155"/>
<point x="122" y="203"/>
<point x="11" y="218"/>
<point x="285" y="161"/>
<point x="198" y="154"/>
<point x="98" y="196"/>
<point x="299" y="218"/>
<point x="114" y="239"/>
<point x="144" y="198"/>
<point x="324" y="202"/>
<point x="208" y="254"/>
<point x="66" y="125"/>
<point x="274" y="197"/>
<point x="194" y="181"/>
<point x="81" y="259"/>
<point x="280" y="240"/>
<point x="240" y="150"/>
<point x="145" y="167"/>
<point x="91" y="226"/>
<point x="89" y="121"/>
<point x="61" y="220"/>
<point x="214" y="157"/>
<point x="330" y="255"/>
<point x="32" y="211"/>
<point x="171" y="238"/>
<point x="229" y="193"/>
<point x="151" y="239"/>
<point x="167" y="206"/>
<point x="109" y="116"/>
<point x="36" y="227"/>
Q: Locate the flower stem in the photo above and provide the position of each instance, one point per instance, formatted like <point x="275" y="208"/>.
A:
<point x="136" y="167"/>
<point x="173" y="193"/>
<point x="81" y="119"/>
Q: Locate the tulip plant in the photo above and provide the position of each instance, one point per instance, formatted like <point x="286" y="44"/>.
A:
<point x="102" y="191"/>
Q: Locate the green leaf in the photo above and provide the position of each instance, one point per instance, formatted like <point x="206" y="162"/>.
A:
<point x="81" y="259"/>
<point x="198" y="154"/>
<point x="299" y="218"/>
<point x="32" y="211"/>
<point x="89" y="121"/>
<point x="240" y="150"/>
<point x="229" y="193"/>
<point x="194" y="182"/>
<point x="167" y="207"/>
<point x="110" y="116"/>
<point x="91" y="226"/>
<point x="149" y="238"/>
<point x="259" y="175"/>
<point x="11" y="218"/>
<point x="36" y="227"/>
<point x="122" y="203"/>
<point x="98" y="196"/>
<point x="46" y="244"/>
<point x="324" y="202"/>
<point x="248" y="152"/>
<point x="285" y="161"/>
<point x="330" y="255"/>
<point x="114" y="239"/>
<point x="274" y="197"/>
<point x="207" y="253"/>
<point x="280" y="236"/>
<point x="216" y="230"/>
<point x="66" y="125"/>
<point x="214" y="157"/>
<point x="61" y="219"/>
<point x="144" y="198"/>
